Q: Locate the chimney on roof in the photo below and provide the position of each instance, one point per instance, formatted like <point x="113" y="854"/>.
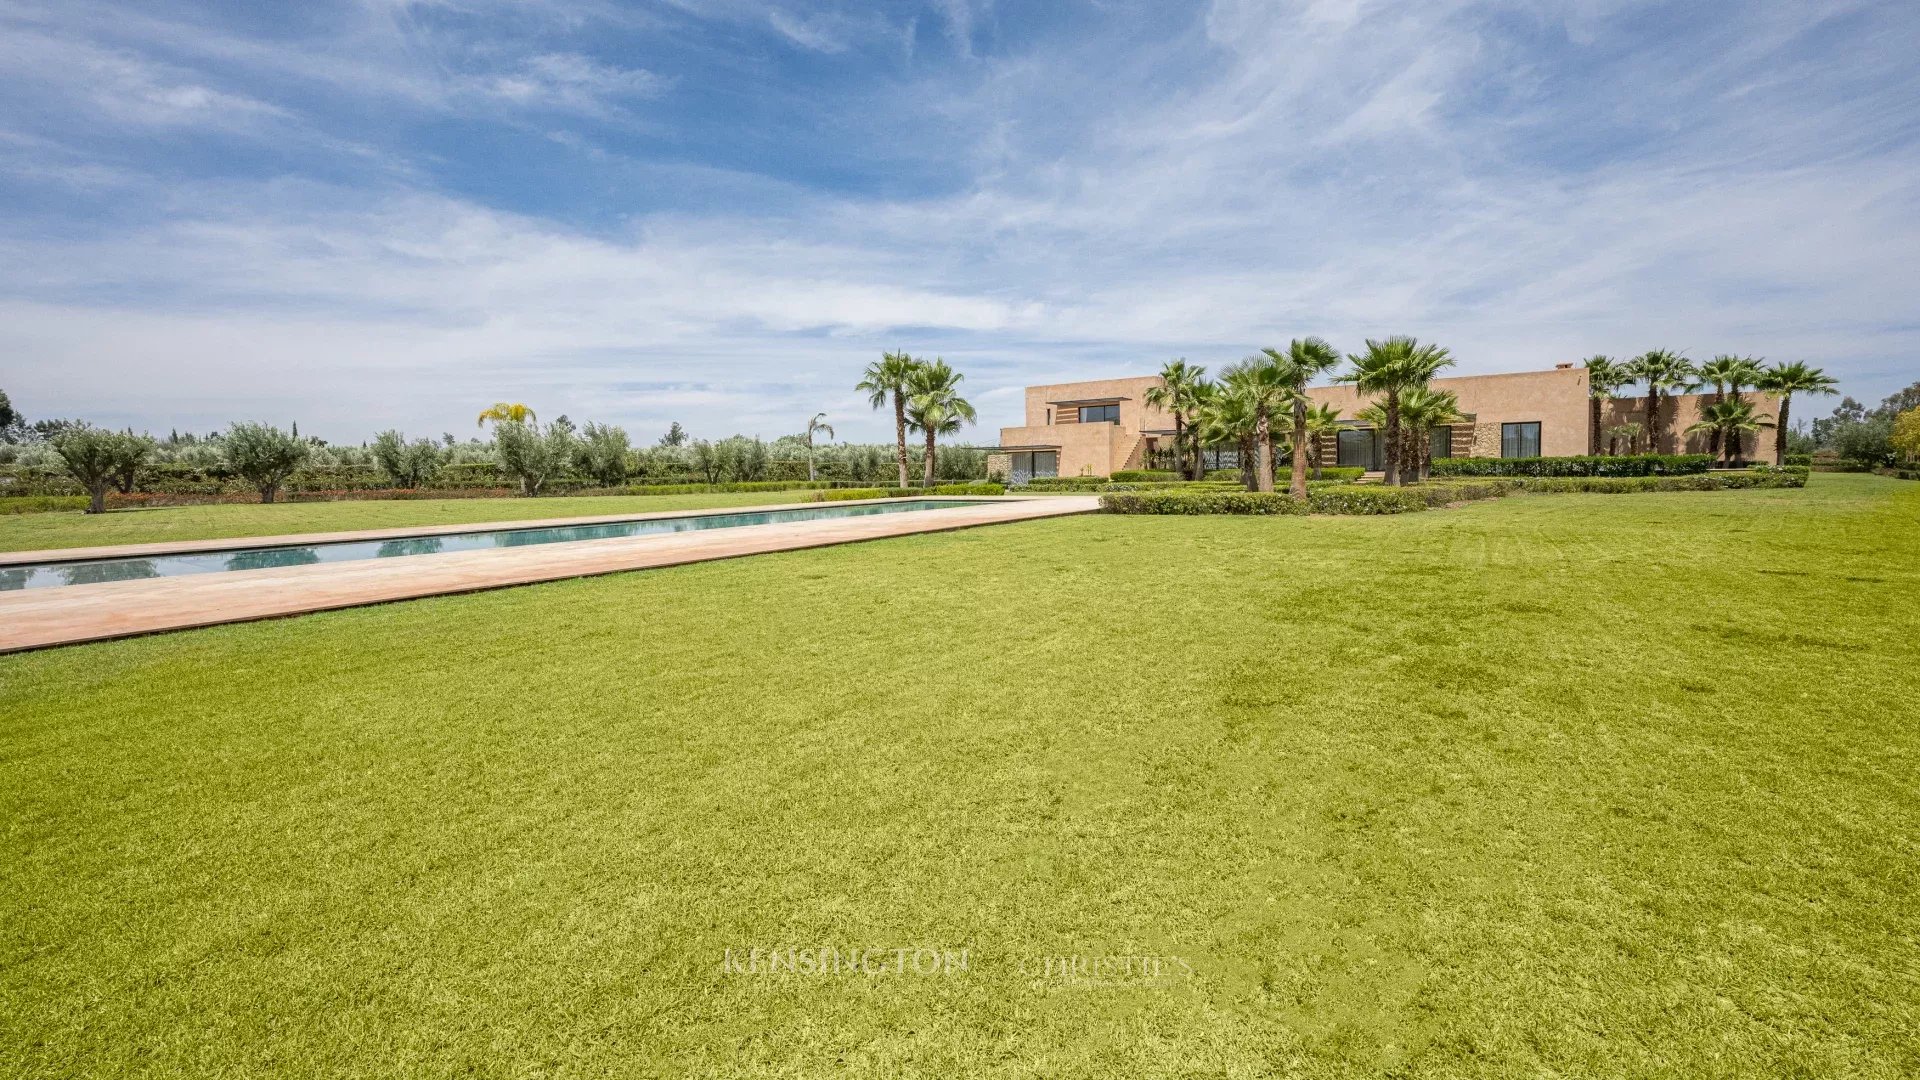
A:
<point x="1561" y="367"/>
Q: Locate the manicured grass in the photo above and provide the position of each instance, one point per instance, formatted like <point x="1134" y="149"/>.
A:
<point x="1592" y="786"/>
<point x="30" y="532"/>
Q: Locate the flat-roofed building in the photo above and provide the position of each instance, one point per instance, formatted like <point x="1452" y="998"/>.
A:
<point x="1100" y="427"/>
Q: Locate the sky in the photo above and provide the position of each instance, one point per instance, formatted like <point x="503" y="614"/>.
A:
<point x="363" y="214"/>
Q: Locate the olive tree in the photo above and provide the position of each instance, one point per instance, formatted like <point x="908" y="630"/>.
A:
<point x="264" y="455"/>
<point x="603" y="453"/>
<point x="408" y="465"/>
<point x="534" y="456"/>
<point x="97" y="458"/>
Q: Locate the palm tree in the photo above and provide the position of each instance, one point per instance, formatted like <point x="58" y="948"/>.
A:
<point x="1605" y="377"/>
<point x="817" y="424"/>
<point x="1305" y="360"/>
<point x="889" y="375"/>
<point x="1788" y="379"/>
<point x="1735" y="418"/>
<point x="1265" y="388"/>
<point x="1662" y="370"/>
<point x="1391" y="368"/>
<point x="1322" y="421"/>
<point x="1225" y="417"/>
<point x="1422" y="409"/>
<point x="1176" y="395"/>
<point x="1726" y="372"/>
<point x="503" y="412"/>
<point x="1629" y="431"/>
<point x="934" y="405"/>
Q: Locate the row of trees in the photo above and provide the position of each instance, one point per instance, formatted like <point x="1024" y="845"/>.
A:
<point x="1242" y="408"/>
<point x="101" y="460"/>
<point x="925" y="395"/>
<point x="1726" y="420"/>
<point x="534" y="454"/>
<point x="1886" y="435"/>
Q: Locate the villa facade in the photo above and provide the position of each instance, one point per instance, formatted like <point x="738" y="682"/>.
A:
<point x="1100" y="427"/>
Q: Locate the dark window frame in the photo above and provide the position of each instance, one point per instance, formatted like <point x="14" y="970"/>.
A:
<point x="1108" y="414"/>
<point x="1375" y="450"/>
<point x="1516" y="432"/>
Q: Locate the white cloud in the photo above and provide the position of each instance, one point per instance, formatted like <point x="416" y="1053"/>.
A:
<point x="1342" y="168"/>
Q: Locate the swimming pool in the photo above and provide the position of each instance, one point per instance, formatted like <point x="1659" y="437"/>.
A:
<point x="87" y="572"/>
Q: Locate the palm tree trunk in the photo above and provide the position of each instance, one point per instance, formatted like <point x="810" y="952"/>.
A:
<point x="810" y="475"/>
<point x="929" y="463"/>
<point x="1593" y="432"/>
<point x="1263" y="446"/>
<point x="1390" y="468"/>
<point x="1297" y="482"/>
<point x="1653" y="419"/>
<point x="1179" y="455"/>
<point x="1713" y="436"/>
<point x="900" y="433"/>
<point x="1780" y="432"/>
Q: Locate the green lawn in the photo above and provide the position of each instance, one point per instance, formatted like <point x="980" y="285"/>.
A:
<point x="1584" y="786"/>
<point x="31" y="532"/>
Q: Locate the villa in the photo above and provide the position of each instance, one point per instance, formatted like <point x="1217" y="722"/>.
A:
<point x="1097" y="428"/>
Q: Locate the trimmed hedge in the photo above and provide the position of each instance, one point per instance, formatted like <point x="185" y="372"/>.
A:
<point x="42" y="504"/>
<point x="1637" y="465"/>
<point x="1792" y="476"/>
<point x="982" y="488"/>
<point x="1201" y="502"/>
<point x="1136" y="476"/>
<point x="1799" y="459"/>
<point x="1350" y="499"/>
<point x="1341" y="499"/>
<point x="1176" y="485"/>
<point x="1066" y="483"/>
<point x="846" y="494"/>
<point x="1345" y="473"/>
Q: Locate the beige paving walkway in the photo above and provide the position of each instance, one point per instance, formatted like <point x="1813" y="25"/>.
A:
<point x="37" y="618"/>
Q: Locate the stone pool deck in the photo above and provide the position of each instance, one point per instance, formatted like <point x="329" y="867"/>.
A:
<point x="39" y="618"/>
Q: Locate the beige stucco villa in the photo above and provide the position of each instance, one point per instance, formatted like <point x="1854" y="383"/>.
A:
<point x="1096" y="428"/>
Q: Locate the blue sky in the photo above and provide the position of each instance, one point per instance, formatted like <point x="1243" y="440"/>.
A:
<point x="380" y="213"/>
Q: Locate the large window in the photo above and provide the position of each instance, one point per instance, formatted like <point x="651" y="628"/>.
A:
<point x="1440" y="443"/>
<point x="1028" y="466"/>
<point x="1364" y="447"/>
<point x="1099" y="414"/>
<point x="1520" y="440"/>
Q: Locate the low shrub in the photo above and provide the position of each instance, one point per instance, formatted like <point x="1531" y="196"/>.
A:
<point x="1134" y="476"/>
<point x="1201" y="502"/>
<point x="1351" y="499"/>
<point x="1601" y="465"/>
<point x="1223" y="474"/>
<point x="1342" y="474"/>
<point x="1791" y="476"/>
<point x="846" y="494"/>
<point x="41" y="504"/>
<point x="1799" y="459"/>
<point x="1341" y="499"/>
<point x="1175" y="485"/>
<point x="1066" y="483"/>
<point x="977" y="488"/>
